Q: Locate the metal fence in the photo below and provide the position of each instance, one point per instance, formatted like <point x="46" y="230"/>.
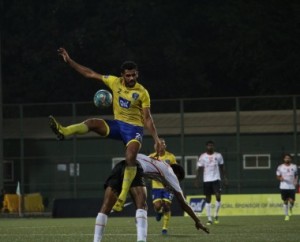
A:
<point x="250" y="132"/>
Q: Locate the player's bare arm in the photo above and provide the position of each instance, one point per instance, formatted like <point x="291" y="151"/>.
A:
<point x="149" y="124"/>
<point x="199" y="177"/>
<point x="184" y="205"/>
<point x="280" y="178"/>
<point x="223" y="175"/>
<point x="296" y="180"/>
<point x="85" y="71"/>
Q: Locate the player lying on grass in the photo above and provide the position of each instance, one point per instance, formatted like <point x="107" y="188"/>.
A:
<point x="150" y="168"/>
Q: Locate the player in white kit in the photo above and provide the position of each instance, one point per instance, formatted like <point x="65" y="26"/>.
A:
<point x="211" y="166"/>
<point x="287" y="174"/>
<point x="153" y="169"/>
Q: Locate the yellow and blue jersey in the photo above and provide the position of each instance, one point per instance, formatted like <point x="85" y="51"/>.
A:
<point x="167" y="157"/>
<point x="128" y="103"/>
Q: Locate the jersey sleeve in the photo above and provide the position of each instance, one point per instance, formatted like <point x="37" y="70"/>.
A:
<point x="200" y="162"/>
<point x="109" y="80"/>
<point x="278" y="173"/>
<point x="145" y="98"/>
<point x="220" y="160"/>
<point x="296" y="170"/>
<point x="172" y="181"/>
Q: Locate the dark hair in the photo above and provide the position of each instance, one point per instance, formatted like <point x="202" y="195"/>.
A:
<point x="210" y="142"/>
<point x="128" y="65"/>
<point x="179" y="171"/>
<point x="287" y="154"/>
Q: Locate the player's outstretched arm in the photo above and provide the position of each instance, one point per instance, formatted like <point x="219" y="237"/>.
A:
<point x="184" y="205"/>
<point x="85" y="71"/>
<point x="149" y="124"/>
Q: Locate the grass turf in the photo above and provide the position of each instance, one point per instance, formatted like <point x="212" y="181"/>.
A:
<point x="230" y="229"/>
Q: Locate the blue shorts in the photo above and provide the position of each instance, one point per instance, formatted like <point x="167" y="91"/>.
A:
<point x="123" y="131"/>
<point x="162" y="194"/>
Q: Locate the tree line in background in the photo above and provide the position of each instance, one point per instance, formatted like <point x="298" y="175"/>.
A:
<point x="184" y="49"/>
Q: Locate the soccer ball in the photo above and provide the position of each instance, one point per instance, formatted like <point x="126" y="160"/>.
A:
<point x="102" y="98"/>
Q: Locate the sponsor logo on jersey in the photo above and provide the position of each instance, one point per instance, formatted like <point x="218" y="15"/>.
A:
<point x="135" y="96"/>
<point x="124" y="103"/>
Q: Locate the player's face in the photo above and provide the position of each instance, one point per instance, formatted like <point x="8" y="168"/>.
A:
<point x="130" y="77"/>
<point x="210" y="148"/>
<point x="287" y="159"/>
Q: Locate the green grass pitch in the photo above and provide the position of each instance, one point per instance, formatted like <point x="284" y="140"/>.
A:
<point x="230" y="229"/>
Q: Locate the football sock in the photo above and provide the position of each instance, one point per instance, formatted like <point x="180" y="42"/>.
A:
<point x="218" y="205"/>
<point x="208" y="211"/>
<point x="167" y="216"/>
<point x="285" y="209"/>
<point x="129" y="175"/>
<point x="101" y="222"/>
<point x="80" y="128"/>
<point x="141" y="224"/>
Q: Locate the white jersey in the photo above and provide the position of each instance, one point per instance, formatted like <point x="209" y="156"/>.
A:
<point x="288" y="173"/>
<point x="210" y="163"/>
<point x="160" y="170"/>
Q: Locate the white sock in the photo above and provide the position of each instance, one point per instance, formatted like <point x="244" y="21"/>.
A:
<point x="208" y="211"/>
<point x="100" y="224"/>
<point x="141" y="224"/>
<point x="218" y="205"/>
<point x="285" y="209"/>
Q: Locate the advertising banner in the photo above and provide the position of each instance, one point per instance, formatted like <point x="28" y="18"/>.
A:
<point x="246" y="204"/>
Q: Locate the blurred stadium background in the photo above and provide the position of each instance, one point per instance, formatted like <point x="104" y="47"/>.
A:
<point x="251" y="132"/>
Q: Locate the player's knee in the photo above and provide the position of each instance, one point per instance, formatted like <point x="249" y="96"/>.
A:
<point x="105" y="209"/>
<point x="157" y="206"/>
<point x="131" y="159"/>
<point x="96" y="125"/>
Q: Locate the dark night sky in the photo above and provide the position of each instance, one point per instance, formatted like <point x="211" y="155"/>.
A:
<point x="203" y="48"/>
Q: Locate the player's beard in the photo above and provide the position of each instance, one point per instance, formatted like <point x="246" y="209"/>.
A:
<point x="131" y="83"/>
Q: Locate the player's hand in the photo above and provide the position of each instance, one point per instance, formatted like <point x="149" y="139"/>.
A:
<point x="61" y="51"/>
<point x="199" y="225"/>
<point x="157" y="146"/>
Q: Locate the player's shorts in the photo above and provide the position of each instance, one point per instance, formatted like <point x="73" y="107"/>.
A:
<point x="288" y="194"/>
<point x="162" y="194"/>
<point x="123" y="131"/>
<point x="213" y="187"/>
<point x="115" y="179"/>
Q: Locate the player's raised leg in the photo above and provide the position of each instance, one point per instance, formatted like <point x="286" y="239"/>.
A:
<point x="99" y="126"/>
<point x="61" y="131"/>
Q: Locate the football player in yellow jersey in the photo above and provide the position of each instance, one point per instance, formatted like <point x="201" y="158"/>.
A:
<point x="131" y="107"/>
<point x="162" y="198"/>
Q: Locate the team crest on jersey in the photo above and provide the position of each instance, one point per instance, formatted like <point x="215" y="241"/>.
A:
<point x="135" y="96"/>
<point x="168" y="161"/>
<point x="138" y="137"/>
<point x="124" y="103"/>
